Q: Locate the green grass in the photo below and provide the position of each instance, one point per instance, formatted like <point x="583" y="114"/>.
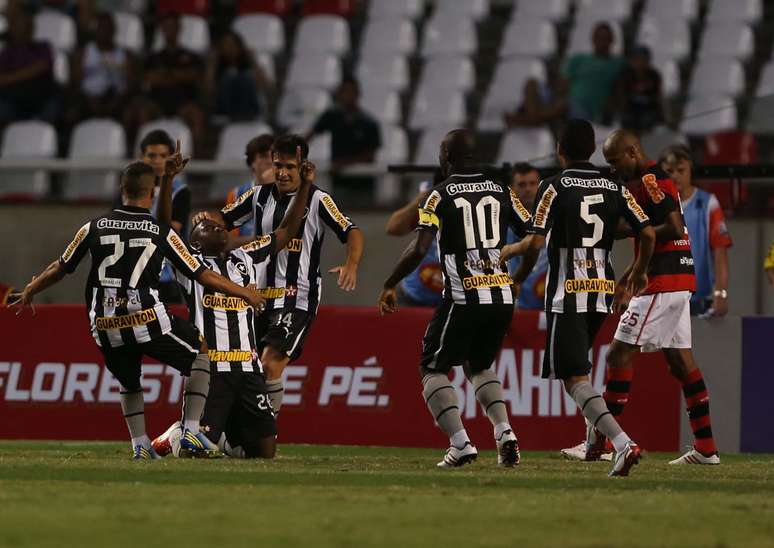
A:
<point x="90" y="494"/>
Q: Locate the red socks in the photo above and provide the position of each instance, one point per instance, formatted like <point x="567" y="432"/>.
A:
<point x="619" y="381"/>
<point x="697" y="404"/>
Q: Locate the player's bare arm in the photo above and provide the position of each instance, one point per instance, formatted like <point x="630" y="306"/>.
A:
<point x="532" y="246"/>
<point x="50" y="276"/>
<point x="672" y="229"/>
<point x="219" y="283"/>
<point x="637" y="280"/>
<point x="348" y="271"/>
<point x="404" y="220"/>
<point x="509" y="251"/>
<point x="410" y="259"/>
<point x="173" y="166"/>
<point x="215" y="216"/>
<point x="720" y="293"/>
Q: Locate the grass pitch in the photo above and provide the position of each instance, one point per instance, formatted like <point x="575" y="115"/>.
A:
<point x="90" y="494"/>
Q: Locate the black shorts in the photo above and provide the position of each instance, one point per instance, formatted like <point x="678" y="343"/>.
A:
<point x="568" y="340"/>
<point x="239" y="406"/>
<point x="178" y="349"/>
<point x="283" y="330"/>
<point x="462" y="334"/>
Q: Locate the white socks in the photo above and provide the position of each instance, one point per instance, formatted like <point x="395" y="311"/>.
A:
<point x="195" y="393"/>
<point x="459" y="439"/>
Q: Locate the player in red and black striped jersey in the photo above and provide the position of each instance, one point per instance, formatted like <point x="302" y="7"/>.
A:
<point x="659" y="317"/>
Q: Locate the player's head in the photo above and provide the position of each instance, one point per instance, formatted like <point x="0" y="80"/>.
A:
<point x="624" y="153"/>
<point x="155" y="148"/>
<point x="525" y="180"/>
<point x="576" y="142"/>
<point x="138" y="182"/>
<point x="348" y="93"/>
<point x="170" y="28"/>
<point x="209" y="238"/>
<point x="258" y="157"/>
<point x="287" y="169"/>
<point x="602" y="39"/>
<point x="676" y="160"/>
<point x="458" y="150"/>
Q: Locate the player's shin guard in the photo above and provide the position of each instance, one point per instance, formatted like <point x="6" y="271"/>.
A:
<point x="441" y="399"/>
<point x="489" y="393"/>
<point x="276" y="390"/>
<point x="195" y="393"/>
<point x="133" y="407"/>
<point x="697" y="404"/>
<point x="594" y="409"/>
<point x="619" y="382"/>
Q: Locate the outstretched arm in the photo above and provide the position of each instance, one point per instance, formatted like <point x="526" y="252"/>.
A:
<point x="405" y="219"/>
<point x="531" y="249"/>
<point x="215" y="281"/>
<point x="410" y="259"/>
<point x="50" y="276"/>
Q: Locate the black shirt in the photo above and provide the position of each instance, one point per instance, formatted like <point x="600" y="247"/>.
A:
<point x="352" y="132"/>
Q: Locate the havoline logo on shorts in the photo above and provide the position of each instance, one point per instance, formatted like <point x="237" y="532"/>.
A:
<point x="230" y="355"/>
<point x="590" y="285"/>
<point x="104" y="323"/>
<point x="223" y="302"/>
<point x="486" y="280"/>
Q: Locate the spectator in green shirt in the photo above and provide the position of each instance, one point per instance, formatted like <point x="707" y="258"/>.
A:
<point x="592" y="77"/>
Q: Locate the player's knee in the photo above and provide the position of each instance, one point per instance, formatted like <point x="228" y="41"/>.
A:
<point x="273" y="362"/>
<point x="617" y="355"/>
<point x="680" y="364"/>
<point x="203" y="347"/>
<point x="265" y="448"/>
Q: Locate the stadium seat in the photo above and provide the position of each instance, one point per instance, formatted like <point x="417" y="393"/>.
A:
<point x="731" y="39"/>
<point x="320" y="149"/>
<point x="505" y="91"/>
<point x="382" y="103"/>
<point x="659" y="138"/>
<point x="760" y="119"/>
<point x="57" y="29"/>
<point x="395" y="146"/>
<point x="129" y="32"/>
<point x="665" y="38"/>
<point x="580" y="37"/>
<point x="717" y="77"/>
<point x="299" y="108"/>
<point x="438" y="108"/>
<point x="31" y="139"/>
<point x="535" y="145"/>
<point x="276" y="7"/>
<point x="262" y="33"/>
<point x="194" y="35"/>
<point x="320" y="34"/>
<point x="61" y="67"/>
<point x="449" y="35"/>
<point x="308" y="70"/>
<point x="473" y="9"/>
<point x="729" y="147"/>
<point x="266" y="62"/>
<point x="709" y="114"/>
<point x="748" y="11"/>
<point x="94" y="139"/>
<point x="3" y="24"/>
<point x="600" y="135"/>
<point x="387" y="71"/>
<point x="231" y="147"/>
<point x="553" y="10"/>
<point x="529" y="37"/>
<point x="200" y="8"/>
<point x="670" y="75"/>
<point x="448" y="72"/>
<point x="135" y="6"/>
<point x="429" y="143"/>
<point x="391" y="9"/>
<point x="385" y="36"/>
<point x="610" y="10"/>
<point x="672" y="10"/>
<point x="176" y="129"/>
<point x="343" y="8"/>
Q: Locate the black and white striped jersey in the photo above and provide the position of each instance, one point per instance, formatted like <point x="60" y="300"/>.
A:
<point x="225" y="321"/>
<point x="578" y="211"/>
<point x="471" y="214"/>
<point x="291" y="278"/>
<point x="127" y="249"/>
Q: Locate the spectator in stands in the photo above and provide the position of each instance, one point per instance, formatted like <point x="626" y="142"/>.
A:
<point x="543" y="103"/>
<point x="258" y="159"/>
<point x="592" y="77"/>
<point x="235" y="81"/>
<point x="103" y="74"/>
<point x="639" y="93"/>
<point x="27" y="86"/>
<point x="525" y="180"/>
<point x="708" y="232"/>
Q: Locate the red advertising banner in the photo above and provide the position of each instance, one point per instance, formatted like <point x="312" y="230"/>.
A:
<point x="356" y="383"/>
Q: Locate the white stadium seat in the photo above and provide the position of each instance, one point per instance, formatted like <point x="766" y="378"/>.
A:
<point x="176" y="129"/>
<point x="129" y="32"/>
<point x="534" y="145"/>
<point x="309" y="70"/>
<point x="600" y="134"/>
<point x="387" y="71"/>
<point x="708" y="114"/>
<point x="665" y="38"/>
<point x="610" y="10"/>
<point x="506" y="90"/>
<point x="670" y="75"/>
<point x="395" y="146"/>
<point x="262" y="33"/>
<point x="529" y="37"/>
<point x="661" y="137"/>
<point x="429" y="143"/>
<point x="449" y="35"/>
<point x="382" y="103"/>
<point x="438" y="108"/>
<point x="473" y="9"/>
<point x="766" y="80"/>
<point x="99" y="138"/>
<point x="266" y="62"/>
<point x="3" y="24"/>
<point x="385" y="36"/>
<point x="61" y="67"/>
<point x="320" y="149"/>
<point x="717" y="77"/>
<point x="57" y="29"/>
<point x="31" y="139"/>
<point x="727" y="40"/>
<point x="580" y="37"/>
<point x="553" y="10"/>
<point x="322" y="34"/>
<point x="231" y="147"/>
<point x="748" y="11"/>
<point x="194" y="35"/>
<point x="760" y="119"/>
<point x="672" y="10"/>
<point x="299" y="108"/>
<point x="448" y="72"/>
<point x="390" y="9"/>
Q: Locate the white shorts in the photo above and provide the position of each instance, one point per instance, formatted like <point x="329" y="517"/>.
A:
<point x="653" y="322"/>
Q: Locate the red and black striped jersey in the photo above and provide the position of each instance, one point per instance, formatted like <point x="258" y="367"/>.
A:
<point x="671" y="268"/>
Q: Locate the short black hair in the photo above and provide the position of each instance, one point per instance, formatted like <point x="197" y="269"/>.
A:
<point x="522" y="168"/>
<point x="131" y="179"/>
<point x="157" y="137"/>
<point x="287" y="144"/>
<point x="576" y="141"/>
<point x="258" y="145"/>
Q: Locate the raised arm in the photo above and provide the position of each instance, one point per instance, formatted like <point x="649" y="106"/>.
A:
<point x="173" y="166"/>
<point x="291" y="223"/>
<point x="404" y="220"/>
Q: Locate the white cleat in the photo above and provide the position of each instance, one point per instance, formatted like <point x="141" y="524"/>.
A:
<point x="578" y="452"/>
<point x="624" y="460"/>
<point x="694" y="457"/>
<point x="455" y="458"/>
<point x="508" y="454"/>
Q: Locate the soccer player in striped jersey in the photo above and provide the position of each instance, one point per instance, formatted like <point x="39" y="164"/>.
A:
<point x="238" y="418"/>
<point x="469" y="213"/>
<point x="578" y="212"/>
<point x="128" y="321"/>
<point x="291" y="279"/>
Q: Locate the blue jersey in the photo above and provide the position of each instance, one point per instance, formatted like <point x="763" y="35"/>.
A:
<point x="248" y="228"/>
<point x="424" y="286"/>
<point x="167" y="274"/>
<point x="533" y="290"/>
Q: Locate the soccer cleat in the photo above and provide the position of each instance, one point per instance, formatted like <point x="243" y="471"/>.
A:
<point x="197" y="446"/>
<point x="144" y="453"/>
<point x="694" y="457"/>
<point x="455" y="458"/>
<point x="624" y="460"/>
<point x="595" y="444"/>
<point x="508" y="454"/>
<point x="578" y="452"/>
<point x="168" y="442"/>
